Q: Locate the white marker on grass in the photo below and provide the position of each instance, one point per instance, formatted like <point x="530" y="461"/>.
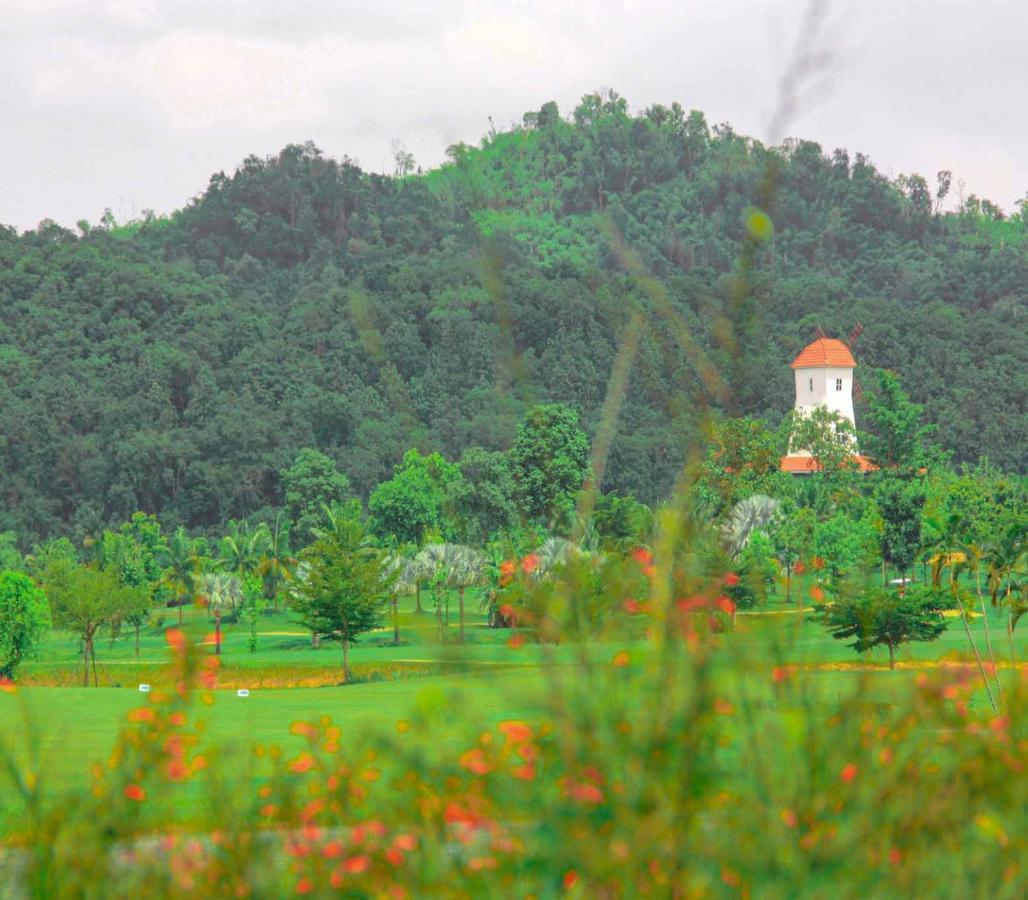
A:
<point x="243" y="692"/>
<point x="144" y="689"/>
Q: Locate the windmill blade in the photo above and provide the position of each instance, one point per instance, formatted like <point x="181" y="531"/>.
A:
<point x="820" y="332"/>
<point x="858" y="391"/>
<point x="854" y="334"/>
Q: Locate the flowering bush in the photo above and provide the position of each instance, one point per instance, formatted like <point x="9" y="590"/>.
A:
<point x="687" y="765"/>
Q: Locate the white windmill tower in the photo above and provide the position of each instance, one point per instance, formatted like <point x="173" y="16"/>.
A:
<point x="824" y="377"/>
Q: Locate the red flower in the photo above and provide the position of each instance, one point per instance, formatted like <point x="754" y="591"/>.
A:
<point x="516" y="732"/>
<point x="632" y="607"/>
<point x="642" y="556"/>
<point x="799" y="568"/>
<point x="849" y="772"/>
<point x="176" y="638"/>
<point x="134" y="792"/>
<point x="726" y="605"/>
<point x="530" y="564"/>
<point x="508" y="568"/>
<point x="356" y="864"/>
<point x="731" y="579"/>
<point x="474" y="761"/>
<point x="570" y="879"/>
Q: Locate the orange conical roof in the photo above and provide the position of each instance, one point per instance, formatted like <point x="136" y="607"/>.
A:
<point x="825" y="352"/>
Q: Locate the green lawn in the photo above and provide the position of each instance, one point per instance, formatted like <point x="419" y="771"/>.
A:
<point x="471" y="686"/>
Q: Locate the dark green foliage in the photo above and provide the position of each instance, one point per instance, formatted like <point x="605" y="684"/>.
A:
<point x="311" y="483"/>
<point x="482" y="499"/>
<point x="896" y="436"/>
<point x="414" y="501"/>
<point x="886" y="618"/>
<point x="24" y="619"/>
<point x="549" y="461"/>
<point x="178" y="367"/>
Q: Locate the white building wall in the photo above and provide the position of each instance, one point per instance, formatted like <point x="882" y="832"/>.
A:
<point x="816" y="386"/>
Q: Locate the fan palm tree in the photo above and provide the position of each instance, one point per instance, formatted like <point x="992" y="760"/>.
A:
<point x="223" y="592"/>
<point x="749" y="515"/>
<point x="1005" y="557"/>
<point x="468" y="569"/>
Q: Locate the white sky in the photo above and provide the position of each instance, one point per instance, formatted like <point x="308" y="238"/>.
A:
<point x="133" y="104"/>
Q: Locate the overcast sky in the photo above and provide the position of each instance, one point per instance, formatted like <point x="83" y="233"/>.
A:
<point x="133" y="104"/>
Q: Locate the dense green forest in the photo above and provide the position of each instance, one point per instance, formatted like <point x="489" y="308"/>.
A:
<point x="178" y="364"/>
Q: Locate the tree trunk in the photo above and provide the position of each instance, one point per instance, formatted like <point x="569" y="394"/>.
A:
<point x="988" y="640"/>
<point x="417" y="596"/>
<point x="138" y="626"/>
<point x="460" y="601"/>
<point x="885" y="579"/>
<point x="974" y="646"/>
<point x="892" y="656"/>
<point x="788" y="584"/>
<point x="439" y="617"/>
<point x="86" y="644"/>
<point x="315" y="640"/>
<point x="217" y="633"/>
<point x="396" y="621"/>
<point x="446" y="609"/>
<point x="346" y="661"/>
<point x="181" y="603"/>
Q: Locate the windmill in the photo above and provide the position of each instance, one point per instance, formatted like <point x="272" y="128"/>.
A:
<point x="819" y="332"/>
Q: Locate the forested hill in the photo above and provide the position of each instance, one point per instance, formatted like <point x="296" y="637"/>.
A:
<point x="177" y="365"/>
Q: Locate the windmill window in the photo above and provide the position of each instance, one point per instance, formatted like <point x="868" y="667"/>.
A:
<point x="811" y="385"/>
<point x="838" y="384"/>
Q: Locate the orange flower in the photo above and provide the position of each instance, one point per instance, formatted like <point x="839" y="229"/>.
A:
<point x="516" y="640"/>
<point x="7" y="686"/>
<point x="176" y="638"/>
<point x="143" y="714"/>
<point x="849" y="772"/>
<point x="570" y="879"/>
<point x="620" y="660"/>
<point x="393" y="856"/>
<point x="895" y="857"/>
<point x="304" y="886"/>
<point x="515" y="732"/>
<point x="817" y="563"/>
<point x="356" y="864"/>
<point x="726" y="605"/>
<point x="477" y="863"/>
<point x="405" y="841"/>
<point x="177" y="770"/>
<point x="134" y="792"/>
<point x="789" y="818"/>
<point x="525" y="772"/>
<point x="632" y="606"/>
<point x="642" y="556"/>
<point x="530" y="563"/>
<point x="303" y="763"/>
<point x="816" y="594"/>
<point x="332" y="849"/>
<point x="731" y="579"/>
<point x="474" y="760"/>
<point x="508" y="568"/>
<point x="799" y="568"/>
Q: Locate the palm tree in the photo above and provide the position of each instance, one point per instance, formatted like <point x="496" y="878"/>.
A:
<point x="182" y="566"/>
<point x="468" y="569"/>
<point x="946" y="543"/>
<point x="749" y="515"/>
<point x="400" y="570"/>
<point x="223" y="592"/>
<point x="242" y="549"/>
<point x="1004" y="557"/>
<point x="277" y="564"/>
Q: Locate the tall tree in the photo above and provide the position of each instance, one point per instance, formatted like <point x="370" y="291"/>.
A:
<point x="84" y="600"/>
<point x="312" y="482"/>
<point x="24" y="620"/>
<point x="345" y="587"/>
<point x="549" y="461"/>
